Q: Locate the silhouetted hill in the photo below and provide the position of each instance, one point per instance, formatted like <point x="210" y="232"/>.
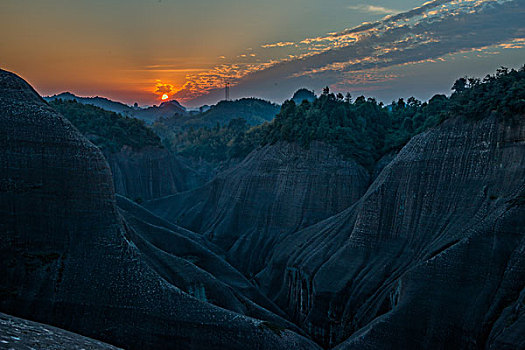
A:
<point x="254" y="111"/>
<point x="164" y="110"/>
<point x="148" y="114"/>
<point x="303" y="94"/>
<point x="209" y="135"/>
<point x="101" y="102"/>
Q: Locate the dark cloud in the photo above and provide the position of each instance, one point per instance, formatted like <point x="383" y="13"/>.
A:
<point x="429" y="32"/>
<point x="396" y="43"/>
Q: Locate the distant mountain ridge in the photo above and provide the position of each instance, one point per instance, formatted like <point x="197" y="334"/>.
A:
<point x="102" y="102"/>
<point x="148" y="114"/>
<point x="255" y="111"/>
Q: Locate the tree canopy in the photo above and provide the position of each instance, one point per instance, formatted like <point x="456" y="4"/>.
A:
<point x="361" y="129"/>
<point x="502" y="93"/>
<point x="108" y="130"/>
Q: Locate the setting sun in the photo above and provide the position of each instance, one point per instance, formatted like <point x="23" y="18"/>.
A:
<point x="165" y="97"/>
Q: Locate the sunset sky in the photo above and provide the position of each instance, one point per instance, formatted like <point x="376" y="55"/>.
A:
<point x="138" y="50"/>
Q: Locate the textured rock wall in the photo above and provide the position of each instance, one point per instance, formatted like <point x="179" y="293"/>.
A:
<point x="68" y="257"/>
<point x="276" y="190"/>
<point x="432" y="256"/>
<point x="186" y="260"/>
<point x="150" y="173"/>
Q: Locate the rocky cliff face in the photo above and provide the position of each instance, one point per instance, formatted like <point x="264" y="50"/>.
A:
<point x="276" y="190"/>
<point x="150" y="173"/>
<point x="70" y="258"/>
<point x="432" y="256"/>
<point x="186" y="260"/>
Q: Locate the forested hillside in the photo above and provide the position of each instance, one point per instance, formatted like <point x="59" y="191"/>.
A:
<point x="361" y="129"/>
<point x="108" y="130"/>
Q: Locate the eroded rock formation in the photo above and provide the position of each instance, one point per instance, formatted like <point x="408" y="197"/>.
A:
<point x="428" y="251"/>
<point x="432" y="255"/>
<point x="276" y="190"/>
<point x="69" y="257"/>
<point x="150" y="173"/>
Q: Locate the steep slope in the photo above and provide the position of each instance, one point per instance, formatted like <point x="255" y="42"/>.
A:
<point x="150" y="173"/>
<point x="188" y="261"/>
<point x="276" y="190"/>
<point x="431" y="256"/>
<point x="16" y="333"/>
<point x="68" y="257"/>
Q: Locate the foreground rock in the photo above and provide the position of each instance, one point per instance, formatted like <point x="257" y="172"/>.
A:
<point x="433" y="255"/>
<point x="68" y="257"/>
<point x="19" y="334"/>
<point x="276" y="190"/>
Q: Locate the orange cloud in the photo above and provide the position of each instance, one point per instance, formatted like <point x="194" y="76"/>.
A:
<point x="161" y="89"/>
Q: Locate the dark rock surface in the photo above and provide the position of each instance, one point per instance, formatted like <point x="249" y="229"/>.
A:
<point x="188" y="261"/>
<point x="20" y="334"/>
<point x="432" y="256"/>
<point x="276" y="190"/>
<point x="69" y="258"/>
<point x="150" y="173"/>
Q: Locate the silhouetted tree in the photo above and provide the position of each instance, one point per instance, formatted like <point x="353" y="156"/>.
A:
<point x="460" y="85"/>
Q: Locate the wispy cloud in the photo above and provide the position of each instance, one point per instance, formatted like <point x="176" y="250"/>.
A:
<point x="279" y="44"/>
<point x="518" y="43"/>
<point x="372" y="9"/>
<point x="423" y="34"/>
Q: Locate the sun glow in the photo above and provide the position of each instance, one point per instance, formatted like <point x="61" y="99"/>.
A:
<point x="165" y="97"/>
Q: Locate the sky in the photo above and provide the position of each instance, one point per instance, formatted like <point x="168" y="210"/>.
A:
<point x="138" y="50"/>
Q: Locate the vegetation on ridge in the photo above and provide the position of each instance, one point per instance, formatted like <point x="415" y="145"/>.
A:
<point x="363" y="129"/>
<point x="255" y="111"/>
<point x="502" y="93"/>
<point x="108" y="130"/>
<point x="212" y="144"/>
